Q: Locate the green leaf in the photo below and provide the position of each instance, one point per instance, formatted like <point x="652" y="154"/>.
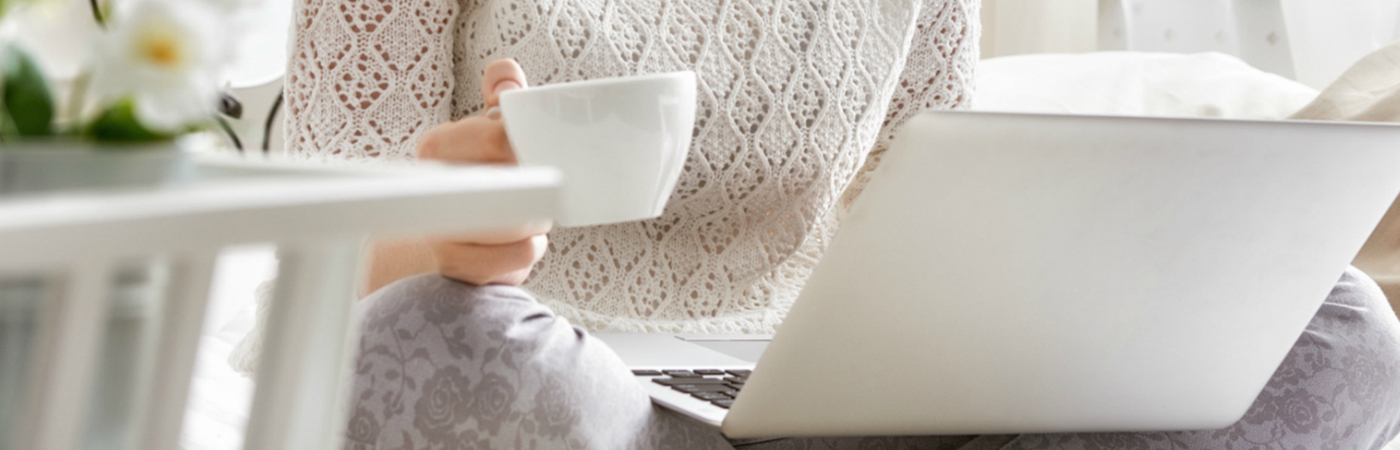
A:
<point x="118" y="124"/>
<point x="26" y="94"/>
<point x="7" y="125"/>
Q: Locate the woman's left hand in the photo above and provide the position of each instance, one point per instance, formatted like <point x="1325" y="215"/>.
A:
<point x="503" y="256"/>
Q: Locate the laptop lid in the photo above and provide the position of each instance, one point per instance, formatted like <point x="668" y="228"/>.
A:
<point x="1047" y="273"/>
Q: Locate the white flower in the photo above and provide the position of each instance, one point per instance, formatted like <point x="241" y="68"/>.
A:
<point x="57" y="34"/>
<point x="166" y="55"/>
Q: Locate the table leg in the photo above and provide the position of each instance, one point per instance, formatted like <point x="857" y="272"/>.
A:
<point x="304" y="360"/>
<point x="62" y="376"/>
<point x="166" y="389"/>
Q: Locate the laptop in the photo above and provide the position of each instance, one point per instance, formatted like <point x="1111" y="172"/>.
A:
<point x="1019" y="273"/>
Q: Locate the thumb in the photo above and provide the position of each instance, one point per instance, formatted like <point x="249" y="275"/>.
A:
<point x="500" y="76"/>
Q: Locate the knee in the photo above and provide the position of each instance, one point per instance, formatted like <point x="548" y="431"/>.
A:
<point x="1356" y="309"/>
<point x="421" y="336"/>
<point x="1351" y="351"/>
<point x="431" y="299"/>
<point x="1355" y="325"/>
<point x="1355" y="288"/>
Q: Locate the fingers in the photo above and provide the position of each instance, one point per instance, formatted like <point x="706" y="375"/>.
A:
<point x="479" y="139"/>
<point x="470" y="140"/>
<point x="500" y="75"/>
<point x="503" y="256"/>
<point x="481" y="264"/>
<point x="502" y="235"/>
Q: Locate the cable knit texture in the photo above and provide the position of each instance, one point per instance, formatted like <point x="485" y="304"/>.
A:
<point x="793" y="97"/>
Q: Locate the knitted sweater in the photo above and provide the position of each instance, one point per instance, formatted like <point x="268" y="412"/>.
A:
<point x="797" y="99"/>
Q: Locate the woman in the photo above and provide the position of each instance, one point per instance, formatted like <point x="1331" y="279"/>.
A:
<point x="796" y="102"/>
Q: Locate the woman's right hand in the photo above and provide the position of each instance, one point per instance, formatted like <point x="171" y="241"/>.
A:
<point x="503" y="256"/>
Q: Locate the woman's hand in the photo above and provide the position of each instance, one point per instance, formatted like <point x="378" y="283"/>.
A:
<point x="477" y="139"/>
<point x="503" y="256"/>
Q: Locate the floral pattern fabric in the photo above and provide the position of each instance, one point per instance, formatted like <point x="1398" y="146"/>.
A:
<point x="445" y="365"/>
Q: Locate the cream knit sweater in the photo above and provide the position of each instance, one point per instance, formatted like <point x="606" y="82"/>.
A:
<point x="797" y="98"/>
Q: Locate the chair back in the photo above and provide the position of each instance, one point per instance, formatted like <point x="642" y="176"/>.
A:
<point x="1310" y="41"/>
<point x="103" y="293"/>
<point x="1306" y="40"/>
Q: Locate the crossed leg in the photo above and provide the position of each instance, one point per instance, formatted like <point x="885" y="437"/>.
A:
<point x="444" y="364"/>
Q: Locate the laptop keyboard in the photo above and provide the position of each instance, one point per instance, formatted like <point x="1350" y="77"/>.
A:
<point x="719" y="387"/>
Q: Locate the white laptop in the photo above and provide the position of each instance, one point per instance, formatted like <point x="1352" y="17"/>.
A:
<point x="1010" y="273"/>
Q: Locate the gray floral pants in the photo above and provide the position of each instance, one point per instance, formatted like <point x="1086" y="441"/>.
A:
<point x="446" y="365"/>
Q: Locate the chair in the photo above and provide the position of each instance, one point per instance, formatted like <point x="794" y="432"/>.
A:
<point x="1306" y="40"/>
<point x="1309" y="41"/>
<point x="78" y="263"/>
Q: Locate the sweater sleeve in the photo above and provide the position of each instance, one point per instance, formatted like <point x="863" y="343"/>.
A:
<point x="367" y="77"/>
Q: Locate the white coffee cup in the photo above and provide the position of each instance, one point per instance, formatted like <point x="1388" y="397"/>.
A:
<point x="619" y="142"/>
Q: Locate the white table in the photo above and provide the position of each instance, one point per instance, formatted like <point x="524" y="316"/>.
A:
<point x="319" y="217"/>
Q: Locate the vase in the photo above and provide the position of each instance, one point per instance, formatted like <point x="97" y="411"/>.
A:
<point x="50" y="166"/>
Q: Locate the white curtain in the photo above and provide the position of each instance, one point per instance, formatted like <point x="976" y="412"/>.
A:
<point x="1014" y="27"/>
